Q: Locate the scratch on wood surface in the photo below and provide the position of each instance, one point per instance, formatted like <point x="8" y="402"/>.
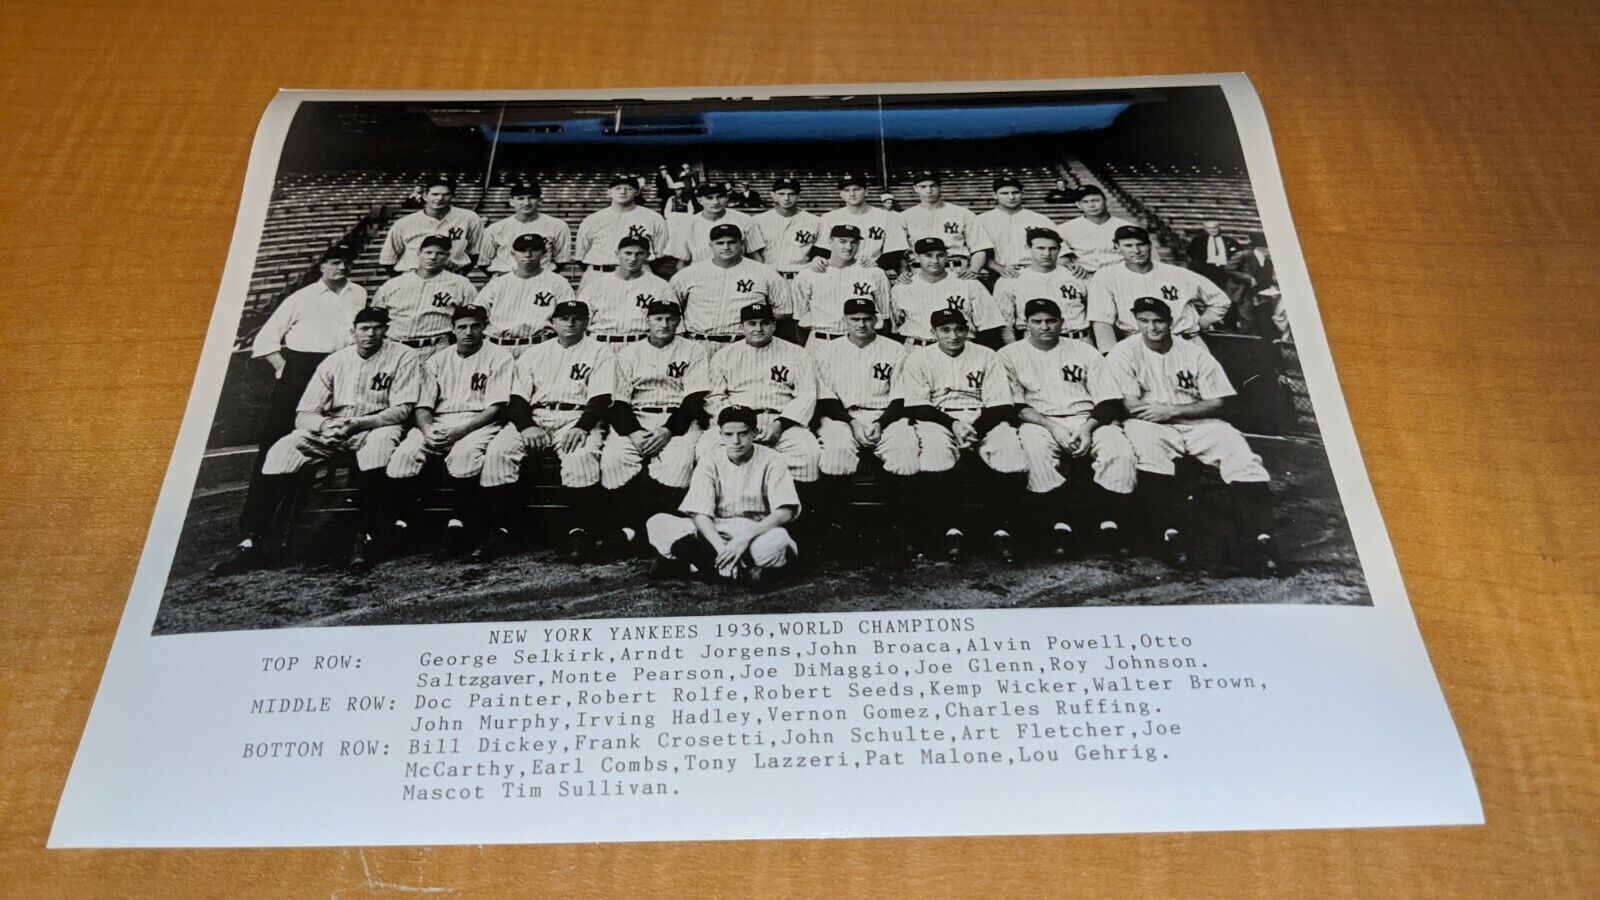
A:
<point x="373" y="884"/>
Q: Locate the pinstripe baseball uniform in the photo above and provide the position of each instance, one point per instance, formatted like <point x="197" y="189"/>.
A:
<point x="653" y="381"/>
<point x="1008" y="231"/>
<point x="557" y="382"/>
<point x="712" y="295"/>
<point x="956" y="225"/>
<point x="600" y="231"/>
<point x="346" y="386"/>
<point x="919" y="298"/>
<point x="419" y="308"/>
<point x="882" y="231"/>
<point x="788" y="238"/>
<point x="1188" y="294"/>
<point x="461" y="226"/>
<point x="736" y="496"/>
<point x="692" y="238"/>
<point x="457" y="389"/>
<point x="617" y="305"/>
<point x="497" y="240"/>
<point x="862" y="380"/>
<point x="959" y="386"/>
<point x="1069" y="292"/>
<point x="1091" y="243"/>
<point x="519" y="308"/>
<point x="819" y="296"/>
<point x="1063" y="384"/>
<point x="776" y="380"/>
<point x="1187" y="373"/>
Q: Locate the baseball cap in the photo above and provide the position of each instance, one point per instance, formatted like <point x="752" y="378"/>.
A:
<point x="372" y="314"/>
<point x="726" y="230"/>
<point x="1051" y="233"/>
<point x="1004" y="181"/>
<point x="663" y="307"/>
<point x="848" y="179"/>
<point x="885" y="196"/>
<point x="920" y="177"/>
<point x="634" y="240"/>
<point x="622" y="179"/>
<point x="1151" y="304"/>
<point x="737" y="414"/>
<point x="570" y="308"/>
<point x="526" y="242"/>
<point x="1088" y="190"/>
<point x="1130" y="232"/>
<point x="845" y="231"/>
<point x="757" y="310"/>
<point x="946" y="316"/>
<point x="1041" y="305"/>
<point x="860" y="305"/>
<point x="337" y="251"/>
<point x="927" y="245"/>
<point x="434" y="240"/>
<point x="525" y="187"/>
<point x="433" y="181"/>
<point x="710" y="189"/>
<point x="786" y="184"/>
<point x="469" y="311"/>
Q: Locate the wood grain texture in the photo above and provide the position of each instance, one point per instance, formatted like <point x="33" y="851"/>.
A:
<point x="1440" y="161"/>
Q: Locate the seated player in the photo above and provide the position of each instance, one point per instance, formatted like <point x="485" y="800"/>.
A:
<point x="1173" y="391"/>
<point x="740" y="500"/>
<point x="775" y="378"/>
<point x="1069" y="404"/>
<point x="457" y="415"/>
<point x="560" y="392"/>
<point x="355" y="408"/>
<point x="959" y="400"/>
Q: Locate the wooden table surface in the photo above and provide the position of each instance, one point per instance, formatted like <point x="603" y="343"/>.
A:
<point x="1440" y="159"/>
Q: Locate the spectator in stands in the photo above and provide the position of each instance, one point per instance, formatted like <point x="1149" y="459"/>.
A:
<point x="1210" y="250"/>
<point x="887" y="201"/>
<point x="681" y="203"/>
<point x="742" y="197"/>
<point x="666" y="185"/>
<point x="1090" y="242"/>
<point x="436" y="217"/>
<point x="1253" y="284"/>
<point x="688" y="177"/>
<point x="526" y="218"/>
<point x="1060" y="193"/>
<point x="412" y="200"/>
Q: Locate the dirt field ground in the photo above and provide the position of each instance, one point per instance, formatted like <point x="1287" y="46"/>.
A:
<point x="414" y="587"/>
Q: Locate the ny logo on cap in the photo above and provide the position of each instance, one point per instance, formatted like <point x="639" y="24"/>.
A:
<point x="975" y="379"/>
<point x="780" y="374"/>
<point x="677" y="369"/>
<point x="805" y="237"/>
<point x="1187" y="381"/>
<point x="580" y="372"/>
<point x="643" y="301"/>
<point x="864" y="289"/>
<point x="543" y="298"/>
<point x="382" y="380"/>
<point x="1169" y="292"/>
<point x="745" y="285"/>
<point x="443" y="298"/>
<point x="480" y="381"/>
<point x="1073" y="373"/>
<point x="952" y="228"/>
<point x="881" y="371"/>
<point x="637" y="231"/>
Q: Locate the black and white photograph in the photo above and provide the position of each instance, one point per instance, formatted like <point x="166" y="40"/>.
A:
<point x="544" y="359"/>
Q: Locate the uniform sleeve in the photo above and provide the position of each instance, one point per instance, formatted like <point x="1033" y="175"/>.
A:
<point x="380" y="299"/>
<point x="394" y="246"/>
<point x="701" y="500"/>
<point x="660" y="237"/>
<point x="697" y="379"/>
<point x="1102" y="381"/>
<point x="489" y="248"/>
<point x="585" y="238"/>
<point x="270" y="338"/>
<point x="475" y="234"/>
<point x="754" y="240"/>
<point x="778" y="487"/>
<point x="430" y="388"/>
<point x="1214" y="383"/>
<point x="912" y="384"/>
<point x="522" y="377"/>
<point x="500" y="376"/>
<point x="318" y="395"/>
<point x="603" y="380"/>
<point x="409" y="380"/>
<point x="1101" y="307"/>
<point x="779" y="294"/>
<point x="999" y="385"/>
<point x="1005" y="300"/>
<point x="561" y="246"/>
<point x="565" y="292"/>
<point x="716" y="384"/>
<point x="1124" y="372"/>
<point x="978" y="239"/>
<point x="468" y="292"/>
<point x="804" y="405"/>
<point x="985" y="313"/>
<point x="622" y="380"/>
<point x="800" y="295"/>
<point x="680" y="234"/>
<point x="894" y="238"/>
<point x="679" y="285"/>
<point x="489" y="294"/>
<point x="1211" y="298"/>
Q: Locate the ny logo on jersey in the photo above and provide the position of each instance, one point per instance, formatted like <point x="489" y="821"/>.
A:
<point x="543" y="298"/>
<point x="480" y="381"/>
<point x="975" y="380"/>
<point x="1169" y="292"/>
<point x="1071" y="292"/>
<point x="744" y="285"/>
<point x="882" y="371"/>
<point x="955" y="302"/>
<point x="863" y="289"/>
<point x="382" y="380"/>
<point x="677" y="369"/>
<point x="1188" y="382"/>
<point x="875" y="233"/>
<point x="780" y="374"/>
<point x="637" y="231"/>
<point x="643" y="301"/>
<point x="456" y="234"/>
<point x="580" y="372"/>
<point x="806" y="238"/>
<point x="1073" y="373"/>
<point x="952" y="228"/>
<point x="442" y="299"/>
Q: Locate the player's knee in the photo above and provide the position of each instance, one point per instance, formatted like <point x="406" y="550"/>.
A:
<point x="771" y="550"/>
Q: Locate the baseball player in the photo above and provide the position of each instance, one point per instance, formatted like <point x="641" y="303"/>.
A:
<point x="775" y="378"/>
<point x="1069" y="403"/>
<point x="883" y="233"/>
<point x="620" y="300"/>
<point x="692" y="239"/>
<point x="520" y="301"/>
<point x="1195" y="303"/>
<point x="932" y="288"/>
<point x="660" y="395"/>
<point x="740" y="500"/>
<point x="560" y="392"/>
<point x="457" y="415"/>
<point x="1173" y="391"/>
<point x="958" y="399"/>
<point x="356" y="406"/>
<point x="819" y="296"/>
<point x="856" y="399"/>
<point x="420" y="301"/>
<point x="1043" y="278"/>
<point x="968" y="246"/>
<point x="600" y="232"/>
<point x="1091" y="238"/>
<point x="461" y="229"/>
<point x="788" y="231"/>
<point x="525" y="218"/>
<point x="1007" y="227"/>
<point x="713" y="292"/>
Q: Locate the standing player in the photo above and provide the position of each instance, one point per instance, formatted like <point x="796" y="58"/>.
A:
<point x="714" y="291"/>
<point x="1007" y="226"/>
<point x="819" y="296"/>
<point x="692" y="238"/>
<point x="933" y="289"/>
<point x="560" y="391"/>
<point x="740" y="499"/>
<point x="461" y="229"/>
<point x="775" y="378"/>
<point x="525" y="218"/>
<point x="520" y="301"/>
<point x="355" y="407"/>
<point x="457" y="415"/>
<point x="1195" y="303"/>
<point x="959" y="400"/>
<point x="968" y="246"/>
<point x="787" y="230"/>
<point x="420" y="301"/>
<point x="883" y="233"/>
<point x="1091" y="237"/>
<point x="1173" y="391"/>
<point x="1069" y="403"/>
<point x="1043" y="278"/>
<point x="620" y="300"/>
<point x="602" y="230"/>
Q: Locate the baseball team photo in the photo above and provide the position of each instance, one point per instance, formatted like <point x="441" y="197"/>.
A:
<point x="557" y="359"/>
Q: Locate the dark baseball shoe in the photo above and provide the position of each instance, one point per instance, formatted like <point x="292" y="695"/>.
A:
<point x="1113" y="540"/>
<point x="952" y="545"/>
<point x="455" y="539"/>
<point x="1061" y="539"/>
<point x="495" y="544"/>
<point x="246" y="557"/>
<point x="1002" y="547"/>
<point x="663" y="569"/>
<point x="1174" y="549"/>
<point x="362" y="554"/>
<point x="580" y="546"/>
<point x="1267" y="562"/>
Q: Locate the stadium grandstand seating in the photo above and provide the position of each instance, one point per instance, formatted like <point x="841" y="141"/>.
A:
<point x="1175" y="199"/>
